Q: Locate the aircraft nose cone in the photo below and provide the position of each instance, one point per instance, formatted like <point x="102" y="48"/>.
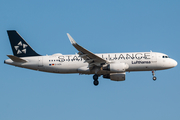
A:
<point x="174" y="63"/>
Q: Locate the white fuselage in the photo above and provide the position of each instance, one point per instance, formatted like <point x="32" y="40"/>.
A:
<point x="58" y="63"/>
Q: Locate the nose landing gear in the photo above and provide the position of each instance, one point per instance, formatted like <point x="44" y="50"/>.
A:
<point x="95" y="77"/>
<point x="154" y="77"/>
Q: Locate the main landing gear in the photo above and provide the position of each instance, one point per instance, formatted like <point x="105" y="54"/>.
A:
<point x="154" y="77"/>
<point x="95" y="77"/>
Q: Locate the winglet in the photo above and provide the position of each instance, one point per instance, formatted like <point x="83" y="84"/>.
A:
<point x="71" y="39"/>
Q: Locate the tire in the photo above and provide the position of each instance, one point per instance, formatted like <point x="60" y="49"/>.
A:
<point x="154" y="78"/>
<point x="96" y="82"/>
<point x="95" y="77"/>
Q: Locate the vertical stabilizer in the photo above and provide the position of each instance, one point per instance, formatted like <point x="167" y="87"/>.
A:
<point x="19" y="46"/>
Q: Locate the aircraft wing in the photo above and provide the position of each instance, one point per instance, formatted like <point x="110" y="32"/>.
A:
<point x="88" y="56"/>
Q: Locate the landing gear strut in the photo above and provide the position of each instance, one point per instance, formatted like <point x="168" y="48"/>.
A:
<point x="95" y="77"/>
<point x="154" y="77"/>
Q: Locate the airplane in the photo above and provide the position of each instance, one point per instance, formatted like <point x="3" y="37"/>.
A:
<point x="112" y="66"/>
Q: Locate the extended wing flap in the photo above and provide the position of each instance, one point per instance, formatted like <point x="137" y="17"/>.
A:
<point x="85" y="54"/>
<point x="16" y="59"/>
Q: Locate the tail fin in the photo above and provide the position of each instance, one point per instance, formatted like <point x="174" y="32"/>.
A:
<point x="19" y="46"/>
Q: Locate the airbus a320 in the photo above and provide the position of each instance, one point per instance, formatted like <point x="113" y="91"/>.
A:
<point x="112" y="66"/>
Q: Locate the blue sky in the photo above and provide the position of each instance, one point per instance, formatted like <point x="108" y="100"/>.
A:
<point x="104" y="26"/>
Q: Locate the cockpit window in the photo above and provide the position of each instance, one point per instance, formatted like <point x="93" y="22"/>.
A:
<point x="165" y="57"/>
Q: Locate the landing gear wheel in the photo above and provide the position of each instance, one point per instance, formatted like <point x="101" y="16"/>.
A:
<point x="96" y="82"/>
<point x="95" y="77"/>
<point x="154" y="78"/>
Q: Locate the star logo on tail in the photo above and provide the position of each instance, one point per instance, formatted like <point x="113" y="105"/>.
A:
<point x="21" y="48"/>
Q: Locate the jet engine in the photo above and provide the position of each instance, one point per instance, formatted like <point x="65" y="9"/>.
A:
<point x="115" y="67"/>
<point x="116" y="76"/>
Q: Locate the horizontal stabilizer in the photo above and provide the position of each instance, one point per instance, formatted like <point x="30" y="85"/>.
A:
<point x="16" y="59"/>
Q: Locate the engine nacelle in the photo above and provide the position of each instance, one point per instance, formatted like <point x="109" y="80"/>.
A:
<point x="116" y="67"/>
<point x="115" y="76"/>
